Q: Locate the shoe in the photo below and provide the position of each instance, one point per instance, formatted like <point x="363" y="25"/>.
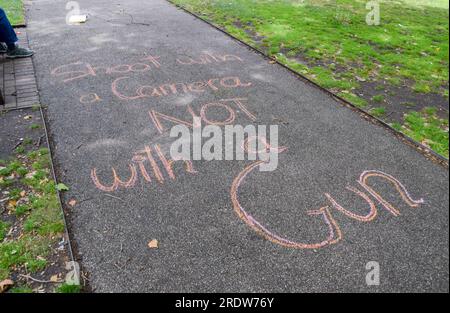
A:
<point x="3" y="48"/>
<point x="19" y="53"/>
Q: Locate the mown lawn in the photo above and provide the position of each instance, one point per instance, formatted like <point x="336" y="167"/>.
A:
<point x="14" y="10"/>
<point x="392" y="69"/>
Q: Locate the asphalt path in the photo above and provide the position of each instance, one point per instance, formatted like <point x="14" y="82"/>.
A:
<point x="224" y="226"/>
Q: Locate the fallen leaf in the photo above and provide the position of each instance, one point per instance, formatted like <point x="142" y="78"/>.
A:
<point x="54" y="278"/>
<point x="23" y="193"/>
<point x="5" y="284"/>
<point x="153" y="244"/>
<point x="12" y="203"/>
<point x="62" y="187"/>
<point x="72" y="202"/>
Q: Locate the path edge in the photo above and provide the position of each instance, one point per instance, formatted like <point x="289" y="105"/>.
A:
<point x="49" y="145"/>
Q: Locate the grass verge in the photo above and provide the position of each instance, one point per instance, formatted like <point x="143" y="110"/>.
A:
<point x="14" y="10"/>
<point x="32" y="230"/>
<point x="403" y="59"/>
<point x="427" y="128"/>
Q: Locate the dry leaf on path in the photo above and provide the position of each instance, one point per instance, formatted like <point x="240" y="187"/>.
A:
<point x="153" y="244"/>
<point x="72" y="202"/>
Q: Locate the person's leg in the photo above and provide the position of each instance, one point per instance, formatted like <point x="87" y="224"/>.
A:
<point x="3" y="48"/>
<point x="7" y="33"/>
<point x="9" y="37"/>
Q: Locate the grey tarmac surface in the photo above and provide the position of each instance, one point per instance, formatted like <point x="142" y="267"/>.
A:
<point x="204" y="246"/>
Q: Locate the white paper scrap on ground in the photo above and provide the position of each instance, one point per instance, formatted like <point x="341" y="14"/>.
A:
<point x="77" y="19"/>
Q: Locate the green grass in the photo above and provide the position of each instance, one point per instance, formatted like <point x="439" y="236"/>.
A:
<point x="20" y="149"/>
<point x="426" y="128"/>
<point x="410" y="44"/>
<point x="14" y="10"/>
<point x="357" y="101"/>
<point x="4" y="227"/>
<point x="378" y="112"/>
<point x="26" y="252"/>
<point x="432" y="3"/>
<point x="66" y="288"/>
<point x="378" y="98"/>
<point x="41" y="221"/>
<point x="330" y="43"/>
<point x="21" y="289"/>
